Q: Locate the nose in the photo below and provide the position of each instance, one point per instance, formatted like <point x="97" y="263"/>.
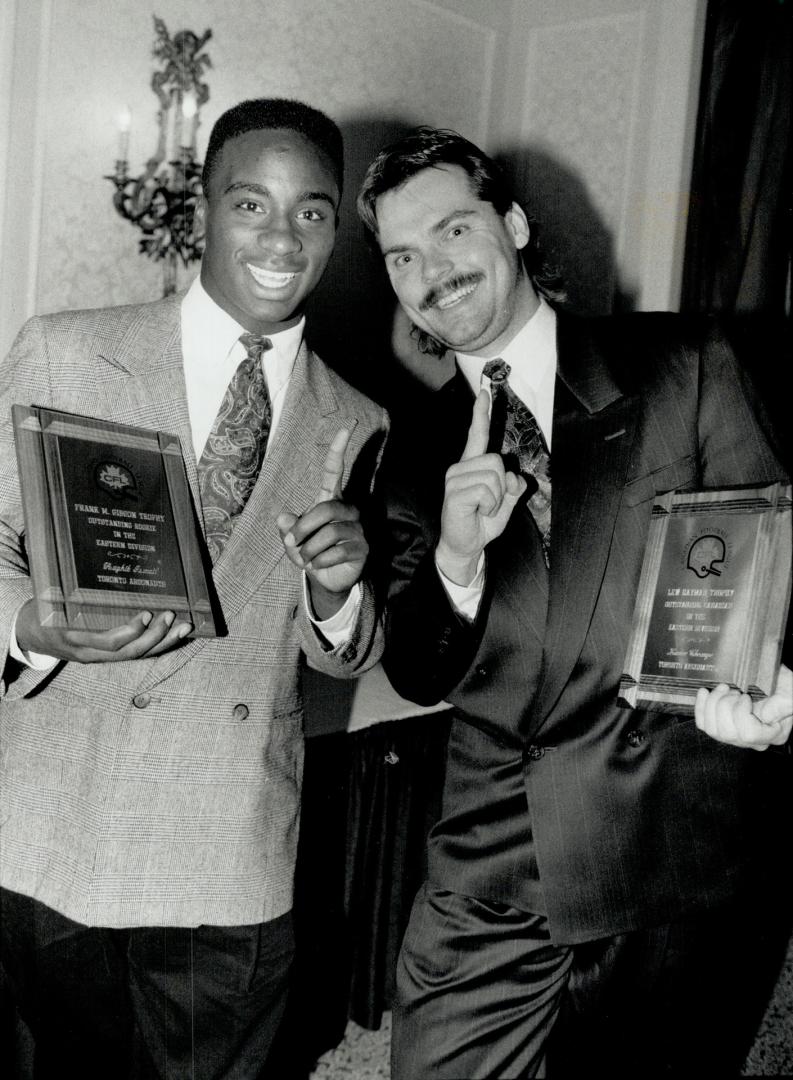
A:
<point x="436" y="265"/>
<point x="278" y="236"/>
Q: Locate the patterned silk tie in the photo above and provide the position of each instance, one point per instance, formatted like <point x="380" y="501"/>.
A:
<point x="517" y="434"/>
<point x="234" y="451"/>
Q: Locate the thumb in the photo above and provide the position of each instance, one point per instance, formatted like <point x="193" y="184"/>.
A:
<point x="779" y="705"/>
<point x="285" y="521"/>
<point x="772" y="709"/>
<point x="516" y="486"/>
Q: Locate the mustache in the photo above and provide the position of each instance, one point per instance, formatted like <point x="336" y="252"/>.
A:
<point x="438" y="292"/>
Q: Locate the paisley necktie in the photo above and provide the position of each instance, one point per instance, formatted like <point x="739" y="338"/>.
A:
<point x="234" y="451"/>
<point x="514" y="426"/>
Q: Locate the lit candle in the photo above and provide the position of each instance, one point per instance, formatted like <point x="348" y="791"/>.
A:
<point x="124" y="123"/>
<point x="190" y="116"/>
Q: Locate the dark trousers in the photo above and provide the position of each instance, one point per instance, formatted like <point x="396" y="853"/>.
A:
<point x="147" y="1003"/>
<point x="482" y="993"/>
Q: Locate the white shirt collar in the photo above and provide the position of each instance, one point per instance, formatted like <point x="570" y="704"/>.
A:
<point x="531" y="356"/>
<point x="211" y="351"/>
<point x="206" y="320"/>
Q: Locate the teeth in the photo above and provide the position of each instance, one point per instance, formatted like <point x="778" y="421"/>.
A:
<point x="456" y="296"/>
<point x="269" y="278"/>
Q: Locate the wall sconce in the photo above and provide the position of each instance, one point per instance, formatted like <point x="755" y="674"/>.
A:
<point x="162" y="200"/>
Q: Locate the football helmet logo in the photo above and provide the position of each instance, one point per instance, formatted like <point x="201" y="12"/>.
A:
<point x="705" y="556"/>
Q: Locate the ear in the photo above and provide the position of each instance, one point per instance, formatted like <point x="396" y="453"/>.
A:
<point x="518" y="225"/>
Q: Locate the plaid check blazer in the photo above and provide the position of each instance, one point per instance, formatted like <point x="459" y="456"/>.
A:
<point x="165" y="791"/>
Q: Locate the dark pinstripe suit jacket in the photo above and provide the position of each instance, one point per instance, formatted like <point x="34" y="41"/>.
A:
<point x="556" y="798"/>
<point x="166" y="791"/>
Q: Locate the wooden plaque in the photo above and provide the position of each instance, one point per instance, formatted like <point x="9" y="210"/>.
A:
<point x="713" y="597"/>
<point x="109" y="522"/>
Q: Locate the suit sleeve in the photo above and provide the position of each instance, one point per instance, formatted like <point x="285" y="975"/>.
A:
<point x="24" y="380"/>
<point x="738" y="440"/>
<point x="429" y="644"/>
<point x="364" y="647"/>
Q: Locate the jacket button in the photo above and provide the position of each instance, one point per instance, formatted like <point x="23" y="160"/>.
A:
<point x="241" y="712"/>
<point x="635" y="738"/>
<point x="140" y="701"/>
<point x="482" y="671"/>
<point x="535" y="752"/>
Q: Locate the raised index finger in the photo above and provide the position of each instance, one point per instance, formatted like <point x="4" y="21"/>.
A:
<point x="478" y="432"/>
<point x="333" y="469"/>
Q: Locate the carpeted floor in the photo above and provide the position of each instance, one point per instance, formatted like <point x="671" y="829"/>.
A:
<point x="772" y="1053"/>
<point x="363" y="1055"/>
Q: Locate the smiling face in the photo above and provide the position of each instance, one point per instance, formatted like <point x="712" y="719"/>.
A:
<point x="270" y="224"/>
<point x="453" y="260"/>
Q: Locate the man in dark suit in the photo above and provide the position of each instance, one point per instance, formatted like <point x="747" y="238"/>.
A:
<point x="150" y="782"/>
<point x="596" y="870"/>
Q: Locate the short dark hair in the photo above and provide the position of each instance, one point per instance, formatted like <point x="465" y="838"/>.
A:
<point x="261" y="114"/>
<point x="426" y="148"/>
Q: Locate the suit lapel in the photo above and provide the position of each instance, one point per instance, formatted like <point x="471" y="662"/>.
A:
<point x="148" y="389"/>
<point x="289" y="480"/>
<point x="146" y="385"/>
<point x="592" y="438"/>
<point x="521" y="578"/>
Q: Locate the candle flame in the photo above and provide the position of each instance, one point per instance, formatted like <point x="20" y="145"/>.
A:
<point x="189" y="105"/>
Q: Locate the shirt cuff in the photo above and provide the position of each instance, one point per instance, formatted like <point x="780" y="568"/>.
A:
<point x="337" y="630"/>
<point x="37" y="661"/>
<point x="465" y="599"/>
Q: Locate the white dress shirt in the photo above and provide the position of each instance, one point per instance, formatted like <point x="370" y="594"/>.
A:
<point x="211" y="352"/>
<point x="532" y="359"/>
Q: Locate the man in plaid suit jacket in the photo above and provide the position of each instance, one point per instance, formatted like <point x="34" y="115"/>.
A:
<point x="151" y="781"/>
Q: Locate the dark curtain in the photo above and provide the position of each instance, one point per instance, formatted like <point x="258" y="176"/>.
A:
<point x="738" y="247"/>
<point x="369" y="800"/>
<point x="396" y="780"/>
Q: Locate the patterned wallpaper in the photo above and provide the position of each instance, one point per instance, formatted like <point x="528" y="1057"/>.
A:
<point x="567" y="92"/>
<point x="372" y="66"/>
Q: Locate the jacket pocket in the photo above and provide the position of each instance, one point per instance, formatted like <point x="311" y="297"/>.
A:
<point x="676" y="475"/>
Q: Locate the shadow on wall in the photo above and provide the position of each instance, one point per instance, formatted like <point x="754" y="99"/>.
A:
<point x="573" y="235"/>
<point x="351" y="315"/>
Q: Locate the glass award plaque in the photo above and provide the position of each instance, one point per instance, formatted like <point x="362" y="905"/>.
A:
<point x="109" y="522"/>
<point x="713" y="597"/>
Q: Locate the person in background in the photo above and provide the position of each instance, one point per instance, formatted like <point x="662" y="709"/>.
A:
<point x="602" y="885"/>
<point x="151" y="782"/>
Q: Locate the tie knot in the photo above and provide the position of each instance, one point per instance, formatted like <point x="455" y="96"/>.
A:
<point x="255" y="346"/>
<point x="496" y="370"/>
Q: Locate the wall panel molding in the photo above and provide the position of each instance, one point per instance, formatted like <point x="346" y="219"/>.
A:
<point x="23" y="179"/>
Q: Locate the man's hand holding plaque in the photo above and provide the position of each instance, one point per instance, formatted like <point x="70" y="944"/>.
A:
<point x="117" y="562"/>
<point x="731" y="717"/>
<point x="145" y="635"/>
<point x="711" y="611"/>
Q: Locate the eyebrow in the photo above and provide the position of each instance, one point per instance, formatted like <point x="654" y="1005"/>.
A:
<point x="438" y="227"/>
<point x="260" y="189"/>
